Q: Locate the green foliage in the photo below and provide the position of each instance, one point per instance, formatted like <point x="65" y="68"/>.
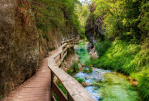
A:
<point x="102" y="46"/>
<point x="82" y="33"/>
<point x="88" y="64"/>
<point x="144" y="85"/>
<point x="33" y="49"/>
<point x="126" y="22"/>
<point x="144" y="25"/>
<point x="56" y="14"/>
<point x="80" y="80"/>
<point x="75" y="66"/>
<point x="52" y="49"/>
<point x="131" y="59"/>
<point x="45" y="36"/>
<point x="62" y="89"/>
<point x="122" y="17"/>
<point x="85" y="70"/>
<point x="69" y="72"/>
<point x="117" y="88"/>
<point x="83" y="13"/>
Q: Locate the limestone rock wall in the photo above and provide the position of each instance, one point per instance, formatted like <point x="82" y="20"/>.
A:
<point x="93" y="28"/>
<point x="55" y="39"/>
<point x="19" y="44"/>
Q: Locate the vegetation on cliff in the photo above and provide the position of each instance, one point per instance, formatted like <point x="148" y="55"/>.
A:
<point x="83" y="13"/>
<point x="56" y="14"/>
<point x="29" y="30"/>
<point x="125" y="47"/>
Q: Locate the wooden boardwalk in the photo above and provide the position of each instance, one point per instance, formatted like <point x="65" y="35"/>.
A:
<point x="37" y="88"/>
<point x="41" y="87"/>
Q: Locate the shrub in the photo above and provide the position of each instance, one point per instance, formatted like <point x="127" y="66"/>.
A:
<point x="88" y="64"/>
<point x="102" y="46"/>
<point x="85" y="70"/>
<point x="75" y="66"/>
<point x="70" y="71"/>
<point x="131" y="59"/>
<point x="80" y="80"/>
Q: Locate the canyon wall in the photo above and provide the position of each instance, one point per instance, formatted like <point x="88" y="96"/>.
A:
<point x="19" y="45"/>
<point x="22" y="45"/>
<point x="93" y="28"/>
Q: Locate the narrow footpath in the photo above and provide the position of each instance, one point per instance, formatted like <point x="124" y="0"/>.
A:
<point x="36" y="88"/>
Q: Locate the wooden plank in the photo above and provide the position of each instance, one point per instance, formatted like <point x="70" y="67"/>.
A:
<point x="64" y="50"/>
<point x="64" y="56"/>
<point x="52" y="77"/>
<point x="53" y="98"/>
<point x="59" y="63"/>
<point x="77" y="91"/>
<point x="51" y="62"/>
<point x="58" y="92"/>
<point x="61" y="74"/>
<point x="74" y="88"/>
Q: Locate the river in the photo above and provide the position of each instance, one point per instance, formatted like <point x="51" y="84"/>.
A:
<point x="104" y="85"/>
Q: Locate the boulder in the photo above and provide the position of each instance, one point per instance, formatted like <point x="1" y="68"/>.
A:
<point x="93" y="54"/>
<point x="84" y="84"/>
<point x="88" y="46"/>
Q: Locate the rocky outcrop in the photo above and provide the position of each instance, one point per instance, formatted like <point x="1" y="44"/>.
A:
<point x="70" y="59"/>
<point x="19" y="44"/>
<point x="93" y="28"/>
<point x="93" y="54"/>
<point x="54" y="41"/>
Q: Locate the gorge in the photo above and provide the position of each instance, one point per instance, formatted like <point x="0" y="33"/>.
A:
<point x="113" y="32"/>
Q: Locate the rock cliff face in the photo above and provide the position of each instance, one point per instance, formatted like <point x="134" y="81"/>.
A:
<point x="21" y="45"/>
<point x="93" y="28"/>
<point x="55" y="39"/>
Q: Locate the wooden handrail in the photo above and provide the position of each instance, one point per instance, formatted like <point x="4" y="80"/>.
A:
<point x="75" y="91"/>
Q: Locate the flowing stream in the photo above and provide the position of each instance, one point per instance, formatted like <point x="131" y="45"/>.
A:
<point x="105" y="85"/>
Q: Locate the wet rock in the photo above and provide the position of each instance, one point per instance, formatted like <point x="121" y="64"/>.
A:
<point x="93" y="54"/>
<point x="85" y="84"/>
<point x="80" y="67"/>
<point x="83" y="65"/>
<point x="88" y="46"/>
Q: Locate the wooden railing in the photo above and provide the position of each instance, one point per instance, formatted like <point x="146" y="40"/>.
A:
<point x="75" y="91"/>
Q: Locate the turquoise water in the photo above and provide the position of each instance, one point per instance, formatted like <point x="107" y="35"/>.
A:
<point x="103" y="84"/>
<point x="82" y="53"/>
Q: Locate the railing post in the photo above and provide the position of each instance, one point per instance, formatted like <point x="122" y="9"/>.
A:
<point x="61" y="56"/>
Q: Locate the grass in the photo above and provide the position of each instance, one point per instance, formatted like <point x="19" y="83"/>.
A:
<point x="130" y="59"/>
<point x="144" y="85"/>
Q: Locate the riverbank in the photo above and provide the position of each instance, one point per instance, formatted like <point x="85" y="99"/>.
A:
<point x="104" y="84"/>
<point x="127" y="58"/>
